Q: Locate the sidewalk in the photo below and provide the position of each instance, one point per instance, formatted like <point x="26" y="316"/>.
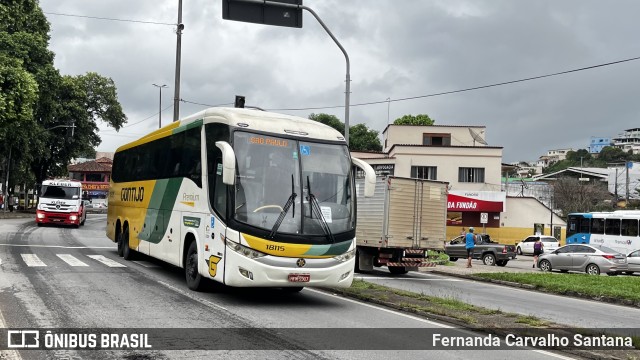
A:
<point x="17" y="215"/>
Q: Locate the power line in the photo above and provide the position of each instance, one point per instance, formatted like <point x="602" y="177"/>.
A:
<point x="138" y="122"/>
<point x="463" y="90"/>
<point x="110" y="19"/>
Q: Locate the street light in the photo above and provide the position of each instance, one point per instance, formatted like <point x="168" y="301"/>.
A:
<point x="160" y="104"/>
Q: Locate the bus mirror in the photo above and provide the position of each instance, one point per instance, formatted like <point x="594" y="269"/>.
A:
<point x="228" y="162"/>
<point x="369" y="176"/>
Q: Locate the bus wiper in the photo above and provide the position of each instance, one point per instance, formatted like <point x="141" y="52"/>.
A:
<point x="285" y="210"/>
<point x="315" y="208"/>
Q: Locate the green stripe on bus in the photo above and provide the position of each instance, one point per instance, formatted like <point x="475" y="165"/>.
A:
<point x="189" y="126"/>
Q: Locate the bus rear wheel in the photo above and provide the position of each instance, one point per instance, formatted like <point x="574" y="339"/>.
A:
<point x="193" y="277"/>
<point x="127" y="253"/>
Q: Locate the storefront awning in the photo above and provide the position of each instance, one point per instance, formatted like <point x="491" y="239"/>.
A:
<point x="485" y="201"/>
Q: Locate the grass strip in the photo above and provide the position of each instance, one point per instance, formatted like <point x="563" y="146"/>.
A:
<point x="621" y="287"/>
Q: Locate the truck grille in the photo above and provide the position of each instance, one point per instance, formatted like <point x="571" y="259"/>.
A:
<point x="56" y="207"/>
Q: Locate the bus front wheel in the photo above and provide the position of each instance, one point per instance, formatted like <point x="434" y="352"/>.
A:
<point x="194" y="279"/>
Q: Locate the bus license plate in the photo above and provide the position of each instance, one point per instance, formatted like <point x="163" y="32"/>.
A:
<point x="299" y="277"/>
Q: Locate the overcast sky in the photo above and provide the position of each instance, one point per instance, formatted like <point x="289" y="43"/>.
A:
<point x="398" y="49"/>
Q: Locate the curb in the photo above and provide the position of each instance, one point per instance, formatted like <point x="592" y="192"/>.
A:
<point x="572" y="294"/>
<point x="453" y="321"/>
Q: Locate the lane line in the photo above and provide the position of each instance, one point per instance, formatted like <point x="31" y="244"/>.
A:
<point x="146" y="264"/>
<point x="544" y="352"/>
<point x="106" y="261"/>
<point x="187" y="293"/>
<point x="387" y="278"/>
<point x="60" y="246"/>
<point x="71" y="260"/>
<point x="32" y="260"/>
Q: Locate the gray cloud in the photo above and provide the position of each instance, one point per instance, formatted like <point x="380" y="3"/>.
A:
<point x="397" y="49"/>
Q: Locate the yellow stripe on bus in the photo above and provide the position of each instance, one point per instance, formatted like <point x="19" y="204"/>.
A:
<point x="281" y="249"/>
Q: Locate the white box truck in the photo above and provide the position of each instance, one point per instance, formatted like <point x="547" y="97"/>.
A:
<point x="401" y="221"/>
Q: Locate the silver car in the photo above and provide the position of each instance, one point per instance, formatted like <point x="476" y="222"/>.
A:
<point x="633" y="262"/>
<point x="592" y="259"/>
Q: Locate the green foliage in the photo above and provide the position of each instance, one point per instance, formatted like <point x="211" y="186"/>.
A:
<point x="330" y="120"/>
<point x="420" y="119"/>
<point x="361" y="138"/>
<point x="38" y="106"/>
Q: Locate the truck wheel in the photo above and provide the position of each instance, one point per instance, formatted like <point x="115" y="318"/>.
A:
<point x="489" y="259"/>
<point x="398" y="270"/>
<point x="502" y="262"/>
<point x="519" y="251"/>
<point x="356" y="267"/>
<point x="453" y="259"/>
<point x="193" y="277"/>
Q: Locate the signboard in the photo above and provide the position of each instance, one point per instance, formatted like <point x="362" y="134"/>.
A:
<point x="383" y="169"/>
<point x="485" y="201"/>
<point x="86" y="187"/>
<point x="484" y="218"/>
<point x="264" y="12"/>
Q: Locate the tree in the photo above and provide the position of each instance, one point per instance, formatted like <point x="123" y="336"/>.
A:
<point x="330" y="120"/>
<point x="572" y="195"/>
<point x="60" y="102"/>
<point x="361" y="138"/>
<point x="420" y="119"/>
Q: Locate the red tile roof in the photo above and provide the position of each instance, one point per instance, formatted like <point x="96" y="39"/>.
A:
<point x="100" y="165"/>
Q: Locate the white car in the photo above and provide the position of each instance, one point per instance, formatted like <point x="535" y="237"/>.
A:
<point x="549" y="244"/>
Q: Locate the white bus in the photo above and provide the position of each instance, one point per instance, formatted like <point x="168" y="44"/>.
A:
<point x="244" y="197"/>
<point x="618" y="230"/>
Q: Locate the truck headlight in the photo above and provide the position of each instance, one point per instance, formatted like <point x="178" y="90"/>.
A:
<point x="346" y="256"/>
<point x="243" y="250"/>
<point x="73" y="218"/>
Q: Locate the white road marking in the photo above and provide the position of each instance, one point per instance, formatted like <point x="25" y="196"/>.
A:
<point x="60" y="246"/>
<point x="32" y="260"/>
<point x="187" y="293"/>
<point x="69" y="259"/>
<point x="7" y="354"/>
<point x="558" y="356"/>
<point x="145" y="264"/>
<point x="106" y="261"/>
<point x="388" y="278"/>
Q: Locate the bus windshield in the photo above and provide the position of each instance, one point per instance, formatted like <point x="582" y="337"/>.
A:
<point x="278" y="175"/>
<point x="60" y="192"/>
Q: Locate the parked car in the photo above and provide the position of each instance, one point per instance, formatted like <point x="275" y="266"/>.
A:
<point x="490" y="252"/>
<point x="549" y="244"/>
<point x="592" y="259"/>
<point x="633" y="262"/>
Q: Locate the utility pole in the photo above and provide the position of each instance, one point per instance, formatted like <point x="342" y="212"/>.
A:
<point x="176" y="96"/>
<point x="6" y="186"/>
<point x="626" y="191"/>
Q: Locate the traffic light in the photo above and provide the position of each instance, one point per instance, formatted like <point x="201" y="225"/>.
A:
<point x="239" y="101"/>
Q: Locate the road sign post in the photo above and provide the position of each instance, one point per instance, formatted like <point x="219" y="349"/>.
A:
<point x="284" y="13"/>
<point x="484" y="218"/>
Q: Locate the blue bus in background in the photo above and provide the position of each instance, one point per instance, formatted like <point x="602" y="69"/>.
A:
<point x="617" y="230"/>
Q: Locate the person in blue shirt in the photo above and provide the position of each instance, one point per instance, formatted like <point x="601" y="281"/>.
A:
<point x="470" y="243"/>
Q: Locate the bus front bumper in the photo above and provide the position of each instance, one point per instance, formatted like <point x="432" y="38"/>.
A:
<point x="271" y="271"/>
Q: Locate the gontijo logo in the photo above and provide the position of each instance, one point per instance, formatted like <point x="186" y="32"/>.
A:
<point x="132" y="194"/>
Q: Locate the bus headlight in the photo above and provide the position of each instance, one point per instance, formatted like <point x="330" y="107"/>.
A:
<point x="243" y="250"/>
<point x="346" y="256"/>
